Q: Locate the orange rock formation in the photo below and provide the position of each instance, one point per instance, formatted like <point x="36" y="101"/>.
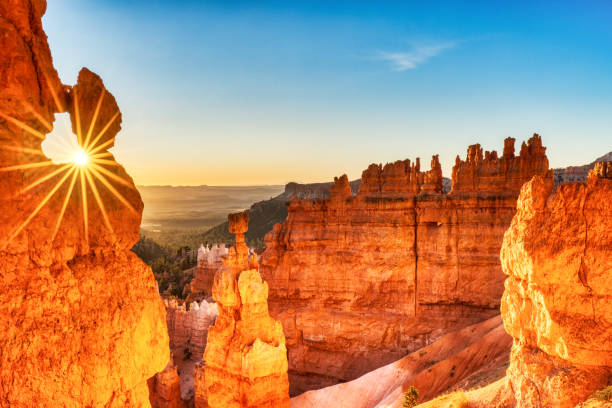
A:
<point x="82" y="322"/>
<point x="209" y="262"/>
<point x="165" y="389"/>
<point x="557" y="304"/>
<point x="246" y="357"/>
<point x="360" y="281"/>
<point x="188" y="329"/>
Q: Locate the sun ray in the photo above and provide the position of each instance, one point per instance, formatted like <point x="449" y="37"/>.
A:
<point x="39" y="207"/>
<point x="107" y="162"/>
<point x="84" y="200"/>
<point x="22" y="149"/>
<point x="27" y="166"/>
<point x="77" y="116"/>
<point x="102" y="146"/>
<point x="100" y="155"/>
<point x="112" y="189"/>
<point x="38" y="116"/>
<point x="45" y="178"/>
<point x="65" y="204"/>
<point x="58" y="104"/>
<point x="94" y="189"/>
<point x="111" y="175"/>
<point x="103" y="131"/>
<point x="94" y="119"/>
<point x="23" y="126"/>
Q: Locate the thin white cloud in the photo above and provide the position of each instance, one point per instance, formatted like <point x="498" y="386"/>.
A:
<point x="402" y="61"/>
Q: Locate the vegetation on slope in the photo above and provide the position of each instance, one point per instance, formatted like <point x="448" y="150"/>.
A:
<point x="170" y="266"/>
<point x="263" y="216"/>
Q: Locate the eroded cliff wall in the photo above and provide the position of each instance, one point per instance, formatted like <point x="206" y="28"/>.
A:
<point x="360" y="281"/>
<point x="82" y="321"/>
<point x="557" y="304"/>
<point x="188" y="329"/>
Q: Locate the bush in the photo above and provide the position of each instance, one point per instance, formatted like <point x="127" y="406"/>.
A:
<point x="411" y="398"/>
<point x="604" y="395"/>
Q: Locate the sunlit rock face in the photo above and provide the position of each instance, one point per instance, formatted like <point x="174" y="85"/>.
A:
<point x="82" y="322"/>
<point x="358" y="281"/>
<point x="557" y="304"/>
<point x="246" y="357"/>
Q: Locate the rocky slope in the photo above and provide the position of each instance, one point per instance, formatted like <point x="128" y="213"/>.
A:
<point x="360" y="281"/>
<point x="447" y="361"/>
<point x="83" y="324"/>
<point x="246" y="357"/>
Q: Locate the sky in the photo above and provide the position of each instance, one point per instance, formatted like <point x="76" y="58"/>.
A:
<point x="233" y="93"/>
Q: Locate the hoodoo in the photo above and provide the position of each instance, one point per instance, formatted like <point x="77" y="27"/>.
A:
<point x="82" y="322"/>
<point x="359" y="281"/>
<point x="246" y="357"/>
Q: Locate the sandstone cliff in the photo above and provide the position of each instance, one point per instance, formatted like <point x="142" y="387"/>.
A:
<point x="188" y="330"/>
<point x="557" y="304"/>
<point x="246" y="357"/>
<point x="82" y="322"/>
<point x="360" y="281"/>
<point x="209" y="262"/>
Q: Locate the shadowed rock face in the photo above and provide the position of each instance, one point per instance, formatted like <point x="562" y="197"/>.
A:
<point x="360" y="281"/>
<point x="82" y="322"/>
<point x="557" y="305"/>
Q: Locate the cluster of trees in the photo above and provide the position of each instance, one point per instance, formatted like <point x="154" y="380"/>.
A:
<point x="262" y="217"/>
<point x="164" y="253"/>
<point x="170" y="267"/>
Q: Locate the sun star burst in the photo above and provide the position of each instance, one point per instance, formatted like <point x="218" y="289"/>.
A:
<point x="86" y="164"/>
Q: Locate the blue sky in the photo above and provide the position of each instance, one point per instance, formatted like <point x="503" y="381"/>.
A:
<point x="232" y="93"/>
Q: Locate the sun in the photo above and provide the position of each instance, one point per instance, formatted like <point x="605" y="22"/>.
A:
<point x="80" y="158"/>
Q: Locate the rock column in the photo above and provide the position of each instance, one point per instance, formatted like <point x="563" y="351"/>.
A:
<point x="246" y="357"/>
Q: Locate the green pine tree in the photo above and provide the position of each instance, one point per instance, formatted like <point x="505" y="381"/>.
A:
<point x="411" y="398"/>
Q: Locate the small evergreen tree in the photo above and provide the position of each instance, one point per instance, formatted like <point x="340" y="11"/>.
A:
<point x="411" y="397"/>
